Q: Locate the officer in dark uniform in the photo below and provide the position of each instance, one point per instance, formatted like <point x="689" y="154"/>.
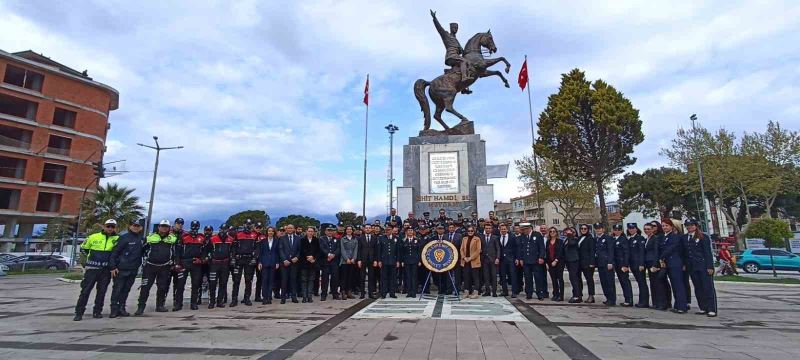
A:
<point x="126" y="258"/>
<point x="529" y="255"/>
<point x="637" y="263"/>
<point x="190" y="255"/>
<point x="243" y="262"/>
<point x="670" y="251"/>
<point x="658" y="292"/>
<point x="219" y="256"/>
<point x="604" y="258"/>
<point x="410" y="261"/>
<point x="622" y="253"/>
<point x="208" y="232"/>
<point x="425" y="235"/>
<point x="388" y="261"/>
<point x="159" y="255"/>
<point x="329" y="261"/>
<point x="701" y="269"/>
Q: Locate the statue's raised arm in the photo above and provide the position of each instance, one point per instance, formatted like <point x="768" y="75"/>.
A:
<point x="442" y="32"/>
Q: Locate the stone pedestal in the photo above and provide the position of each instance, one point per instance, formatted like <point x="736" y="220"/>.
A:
<point x="444" y="171"/>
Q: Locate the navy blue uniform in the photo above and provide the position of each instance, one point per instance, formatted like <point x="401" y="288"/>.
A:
<point x="622" y="260"/>
<point x="126" y="256"/>
<point x="700" y="261"/>
<point x="329" y="262"/>
<point x="411" y="261"/>
<point x="387" y="260"/>
<point x="529" y="253"/>
<point x="670" y="252"/>
<point x="639" y="269"/>
<point x="604" y="256"/>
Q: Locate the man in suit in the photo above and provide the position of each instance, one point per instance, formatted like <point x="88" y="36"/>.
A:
<point x="388" y="262"/>
<point x="454" y="237"/>
<point x="368" y="251"/>
<point x="530" y="255"/>
<point x="289" y="252"/>
<point x="393" y="219"/>
<point x="586" y="260"/>
<point x="508" y="258"/>
<point x="329" y="261"/>
<point x="540" y="270"/>
<point x="490" y="249"/>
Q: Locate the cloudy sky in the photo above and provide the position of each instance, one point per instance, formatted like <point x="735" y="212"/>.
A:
<point x="266" y="96"/>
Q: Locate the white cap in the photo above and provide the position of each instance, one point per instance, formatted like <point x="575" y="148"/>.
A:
<point x="111" y="222"/>
<point x="525" y="224"/>
<point x="164" y="222"/>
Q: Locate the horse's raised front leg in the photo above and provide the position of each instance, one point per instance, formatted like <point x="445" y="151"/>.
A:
<point x="491" y="62"/>
<point x="488" y="73"/>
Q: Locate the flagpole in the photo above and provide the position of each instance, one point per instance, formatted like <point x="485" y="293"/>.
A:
<point x="366" y="128"/>
<point x="533" y="139"/>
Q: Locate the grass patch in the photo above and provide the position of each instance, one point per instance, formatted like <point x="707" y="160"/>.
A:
<point x="36" y="272"/>
<point x="734" y="278"/>
<point x="74" y="276"/>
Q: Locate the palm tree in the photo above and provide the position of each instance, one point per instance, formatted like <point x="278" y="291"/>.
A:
<point x="111" y="202"/>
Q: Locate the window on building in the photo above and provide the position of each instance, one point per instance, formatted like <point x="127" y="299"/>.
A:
<point x="12" y="167"/>
<point x="15" y="137"/>
<point x="9" y="199"/>
<point x="24" y="78"/>
<point x="65" y="118"/>
<point x="49" y="202"/>
<point x="14" y="106"/>
<point x="59" y="145"/>
<point x="556" y="221"/>
<point x="54" y="173"/>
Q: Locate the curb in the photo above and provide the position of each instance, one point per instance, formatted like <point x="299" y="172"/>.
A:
<point x="716" y="282"/>
<point x="69" y="281"/>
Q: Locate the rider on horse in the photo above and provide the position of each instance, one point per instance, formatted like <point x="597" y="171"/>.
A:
<point x="454" y="52"/>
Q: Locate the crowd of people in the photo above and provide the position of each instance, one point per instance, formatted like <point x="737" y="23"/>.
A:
<point x="384" y="259"/>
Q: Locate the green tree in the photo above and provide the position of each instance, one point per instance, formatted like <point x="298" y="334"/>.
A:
<point x="256" y="216"/>
<point x="57" y="229"/>
<point x="349" y="218"/>
<point x="776" y="153"/>
<point x="298" y="220"/>
<point x="589" y="129"/>
<point x="111" y="202"/>
<point x="774" y="232"/>
<point x="653" y="193"/>
<point x="570" y="194"/>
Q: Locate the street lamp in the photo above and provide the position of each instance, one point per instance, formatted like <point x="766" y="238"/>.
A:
<point x="693" y="118"/>
<point x="158" y="149"/>
<point x="392" y="129"/>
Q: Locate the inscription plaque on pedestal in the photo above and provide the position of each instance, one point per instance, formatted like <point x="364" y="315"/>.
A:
<point x="443" y="169"/>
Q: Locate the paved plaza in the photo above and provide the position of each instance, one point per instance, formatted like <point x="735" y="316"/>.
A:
<point x="755" y="322"/>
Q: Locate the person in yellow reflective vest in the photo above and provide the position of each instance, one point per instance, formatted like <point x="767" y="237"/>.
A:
<point x="97" y="249"/>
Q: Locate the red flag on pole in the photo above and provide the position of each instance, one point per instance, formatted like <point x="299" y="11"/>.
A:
<point x="366" y="92"/>
<point x="523" y="75"/>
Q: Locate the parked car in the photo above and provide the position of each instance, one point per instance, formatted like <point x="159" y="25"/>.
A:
<point x="753" y="260"/>
<point x="5" y="257"/>
<point x="48" y="262"/>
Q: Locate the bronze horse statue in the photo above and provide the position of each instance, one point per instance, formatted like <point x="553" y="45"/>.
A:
<point x="444" y="88"/>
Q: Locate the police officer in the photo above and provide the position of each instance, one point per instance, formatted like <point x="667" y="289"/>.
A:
<point x="126" y="257"/>
<point x="670" y="253"/>
<point x="388" y="261"/>
<point x="701" y="269"/>
<point x="208" y="232"/>
<point x="97" y="249"/>
<point x="190" y="254"/>
<point x="410" y="261"/>
<point x="529" y="255"/>
<point x="637" y="263"/>
<point x="243" y="262"/>
<point x="159" y="253"/>
<point x="219" y="256"/>
<point x="604" y="258"/>
<point x="329" y="246"/>
<point x="622" y="253"/>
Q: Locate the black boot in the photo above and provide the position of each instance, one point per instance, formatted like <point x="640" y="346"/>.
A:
<point x="114" y="312"/>
<point x="139" y="311"/>
<point x="247" y="302"/>
<point x="220" y="304"/>
<point x="193" y="306"/>
<point x="97" y="315"/>
<point x="234" y="303"/>
<point x="123" y="312"/>
<point x="78" y="317"/>
<point x="161" y="308"/>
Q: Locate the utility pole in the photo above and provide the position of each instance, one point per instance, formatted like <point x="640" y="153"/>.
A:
<point x="158" y="149"/>
<point x="703" y="213"/>
<point x="392" y="129"/>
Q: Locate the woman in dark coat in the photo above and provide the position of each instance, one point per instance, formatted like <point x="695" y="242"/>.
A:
<point x="554" y="255"/>
<point x="637" y="262"/>
<point x="586" y="247"/>
<point x="309" y="253"/>
<point x="572" y="257"/>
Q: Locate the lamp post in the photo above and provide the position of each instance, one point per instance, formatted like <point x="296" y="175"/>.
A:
<point x="392" y="129"/>
<point x="158" y="149"/>
<point x="703" y="213"/>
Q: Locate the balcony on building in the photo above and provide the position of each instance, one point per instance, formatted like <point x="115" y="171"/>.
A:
<point x="20" y="108"/>
<point x="23" y="78"/>
<point x="15" y="137"/>
<point x="59" y="145"/>
<point x="11" y="167"/>
<point x="9" y="199"/>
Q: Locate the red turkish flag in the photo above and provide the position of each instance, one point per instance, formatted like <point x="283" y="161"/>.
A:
<point x="523" y="75"/>
<point x="366" y="92"/>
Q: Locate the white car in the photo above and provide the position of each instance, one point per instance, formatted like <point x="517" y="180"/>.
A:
<point x="3" y="269"/>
